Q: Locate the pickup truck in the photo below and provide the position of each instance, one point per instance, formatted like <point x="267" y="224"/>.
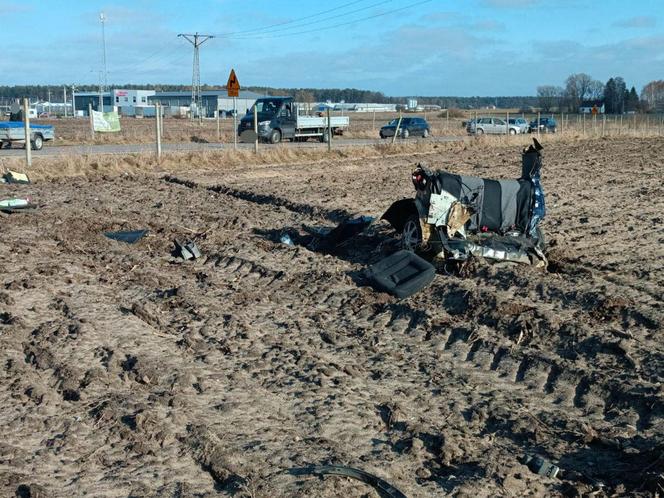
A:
<point x="14" y="131"/>
<point x="280" y="119"/>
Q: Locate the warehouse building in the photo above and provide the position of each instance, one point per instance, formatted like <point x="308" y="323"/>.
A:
<point x="140" y="103"/>
<point x="212" y="100"/>
<point x="83" y="99"/>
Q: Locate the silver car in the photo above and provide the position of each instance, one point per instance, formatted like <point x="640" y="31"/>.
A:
<point x="491" y="126"/>
<point x="522" y="123"/>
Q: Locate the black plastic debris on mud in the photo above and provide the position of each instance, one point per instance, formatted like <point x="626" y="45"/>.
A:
<point x="130" y="236"/>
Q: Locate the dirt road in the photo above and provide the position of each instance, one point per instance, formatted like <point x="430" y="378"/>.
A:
<point x="127" y="372"/>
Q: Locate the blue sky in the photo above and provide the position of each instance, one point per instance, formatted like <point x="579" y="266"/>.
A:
<point x="399" y="47"/>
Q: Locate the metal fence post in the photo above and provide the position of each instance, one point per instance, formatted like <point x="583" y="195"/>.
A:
<point x="234" y="123"/>
<point x="218" y="124"/>
<point x="329" y="131"/>
<point x="603" y="123"/>
<point x="584" y="123"/>
<point x="256" y="128"/>
<point x="157" y="122"/>
<point x="26" y="129"/>
<point x="396" y="130"/>
<point x="92" y="122"/>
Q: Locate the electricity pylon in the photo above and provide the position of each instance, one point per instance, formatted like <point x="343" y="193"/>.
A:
<point x="196" y="40"/>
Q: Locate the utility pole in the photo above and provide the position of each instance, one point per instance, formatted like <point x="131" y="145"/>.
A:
<point x="102" y="19"/>
<point x="196" y="40"/>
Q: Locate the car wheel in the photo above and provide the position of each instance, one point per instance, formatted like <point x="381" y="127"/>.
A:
<point x="479" y="131"/>
<point x="275" y="137"/>
<point x="382" y="136"/>
<point x="411" y="235"/>
<point x="325" y="137"/>
<point x="405" y="133"/>
<point x="512" y="131"/>
<point x="37" y="142"/>
<point x="425" y="133"/>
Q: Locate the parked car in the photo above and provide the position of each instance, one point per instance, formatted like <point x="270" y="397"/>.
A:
<point x="408" y="127"/>
<point x="495" y="126"/>
<point x="522" y="123"/>
<point x="546" y="125"/>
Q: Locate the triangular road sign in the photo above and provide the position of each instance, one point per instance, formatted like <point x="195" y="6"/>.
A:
<point x="233" y="85"/>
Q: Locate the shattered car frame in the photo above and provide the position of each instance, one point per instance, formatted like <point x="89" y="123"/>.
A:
<point x="454" y="217"/>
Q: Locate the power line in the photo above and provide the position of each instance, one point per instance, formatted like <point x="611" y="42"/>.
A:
<point x="291" y="21"/>
<point x="196" y="40"/>
<point x="318" y="21"/>
<point x="333" y="26"/>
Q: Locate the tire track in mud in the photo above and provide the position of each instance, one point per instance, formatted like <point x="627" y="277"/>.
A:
<point x="558" y="382"/>
<point x="264" y="199"/>
<point x="550" y="378"/>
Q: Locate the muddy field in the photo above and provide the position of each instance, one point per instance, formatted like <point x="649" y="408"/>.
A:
<point x="126" y="372"/>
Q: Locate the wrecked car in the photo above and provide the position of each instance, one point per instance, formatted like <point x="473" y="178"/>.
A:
<point x="455" y="217"/>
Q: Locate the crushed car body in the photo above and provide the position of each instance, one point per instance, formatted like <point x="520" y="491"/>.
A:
<point x="454" y="217"/>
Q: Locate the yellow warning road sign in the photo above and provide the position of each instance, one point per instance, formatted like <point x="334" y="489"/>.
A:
<point x="233" y="85"/>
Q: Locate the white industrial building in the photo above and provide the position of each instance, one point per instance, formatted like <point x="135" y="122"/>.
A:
<point x="131" y="102"/>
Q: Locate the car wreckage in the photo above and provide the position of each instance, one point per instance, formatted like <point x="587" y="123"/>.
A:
<point x="456" y="217"/>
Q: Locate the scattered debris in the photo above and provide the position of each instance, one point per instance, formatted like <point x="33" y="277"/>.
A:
<point x="16" y="204"/>
<point x="384" y="489"/>
<point x="130" y="237"/>
<point x="286" y="239"/>
<point x="540" y="466"/>
<point x="402" y="274"/>
<point x="344" y="231"/>
<point x="14" y="177"/>
<point x="188" y="250"/>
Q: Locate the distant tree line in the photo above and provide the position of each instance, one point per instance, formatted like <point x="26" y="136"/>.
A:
<point x="581" y="88"/>
<point x="578" y="88"/>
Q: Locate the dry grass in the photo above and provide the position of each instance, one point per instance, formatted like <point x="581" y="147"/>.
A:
<point x="48" y="167"/>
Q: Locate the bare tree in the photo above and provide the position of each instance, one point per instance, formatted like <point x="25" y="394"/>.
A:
<point x="652" y="95"/>
<point x="595" y="90"/>
<point x="549" y="96"/>
<point x="580" y="87"/>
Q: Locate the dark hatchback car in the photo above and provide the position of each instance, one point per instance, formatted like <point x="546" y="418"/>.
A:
<point x="417" y="127"/>
<point x="546" y="125"/>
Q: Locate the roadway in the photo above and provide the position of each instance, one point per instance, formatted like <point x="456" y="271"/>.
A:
<point x="81" y="150"/>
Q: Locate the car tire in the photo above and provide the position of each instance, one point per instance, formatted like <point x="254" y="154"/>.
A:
<point x="479" y="131"/>
<point x="411" y="234"/>
<point x="275" y="137"/>
<point x="512" y="131"/>
<point x="405" y="133"/>
<point x="425" y="133"/>
<point x="325" y="137"/>
<point x="37" y="142"/>
<point x="383" y="137"/>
